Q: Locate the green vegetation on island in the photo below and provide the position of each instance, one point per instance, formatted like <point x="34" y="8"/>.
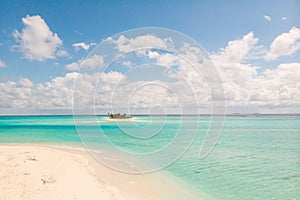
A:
<point x="118" y="116"/>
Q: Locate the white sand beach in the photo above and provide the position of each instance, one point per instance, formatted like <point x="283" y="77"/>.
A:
<point x="132" y="119"/>
<point x="50" y="172"/>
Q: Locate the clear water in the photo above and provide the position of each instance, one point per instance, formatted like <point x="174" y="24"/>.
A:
<point x="255" y="158"/>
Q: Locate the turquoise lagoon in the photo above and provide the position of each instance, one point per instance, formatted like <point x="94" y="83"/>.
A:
<point x="255" y="157"/>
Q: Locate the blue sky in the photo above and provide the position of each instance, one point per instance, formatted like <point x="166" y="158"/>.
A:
<point x="211" y="23"/>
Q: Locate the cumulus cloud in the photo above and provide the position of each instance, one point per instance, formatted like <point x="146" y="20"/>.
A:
<point x="2" y="64"/>
<point x="74" y="66"/>
<point x="90" y="62"/>
<point x="14" y="96"/>
<point x="82" y="45"/>
<point x="268" y="18"/>
<point x="62" y="53"/>
<point x="25" y="82"/>
<point x="238" y="50"/>
<point x="283" y="18"/>
<point x="244" y="85"/>
<point x="125" y="44"/>
<point x="286" y="75"/>
<point x="285" y="44"/>
<point x="164" y="59"/>
<point x="36" y="41"/>
<point x="127" y="63"/>
<point x="144" y="95"/>
<point x="57" y="93"/>
<point x="93" y="61"/>
<point x="280" y="86"/>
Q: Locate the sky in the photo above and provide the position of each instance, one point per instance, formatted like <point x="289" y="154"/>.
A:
<point x="255" y="46"/>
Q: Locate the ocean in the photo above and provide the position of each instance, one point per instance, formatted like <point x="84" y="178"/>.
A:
<point x="256" y="157"/>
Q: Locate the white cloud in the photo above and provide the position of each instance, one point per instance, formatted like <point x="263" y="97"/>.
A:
<point x="2" y="64"/>
<point x="112" y="77"/>
<point x="245" y="87"/>
<point x="124" y="44"/>
<point x="237" y="77"/>
<point x="165" y="59"/>
<point x="57" y="93"/>
<point x="238" y="50"/>
<point x="284" y="44"/>
<point x="268" y="18"/>
<point x="36" y="41"/>
<point x="90" y="62"/>
<point x="144" y="95"/>
<point x="93" y="61"/>
<point x="127" y="63"/>
<point x="74" y="66"/>
<point x="153" y="54"/>
<point x="282" y="85"/>
<point x="14" y="95"/>
<point x="283" y="18"/>
<point x="82" y="45"/>
<point x="25" y="82"/>
<point x="62" y="53"/>
<point x="287" y="73"/>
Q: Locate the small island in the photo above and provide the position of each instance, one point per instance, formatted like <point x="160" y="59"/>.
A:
<point x="118" y="116"/>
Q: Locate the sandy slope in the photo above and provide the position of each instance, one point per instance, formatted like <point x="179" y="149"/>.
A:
<point x="49" y="172"/>
<point x="43" y="173"/>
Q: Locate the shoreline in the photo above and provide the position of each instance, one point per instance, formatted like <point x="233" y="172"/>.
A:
<point x="131" y="119"/>
<point x="94" y="178"/>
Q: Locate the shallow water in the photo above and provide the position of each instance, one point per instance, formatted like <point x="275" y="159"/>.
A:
<point x="255" y="158"/>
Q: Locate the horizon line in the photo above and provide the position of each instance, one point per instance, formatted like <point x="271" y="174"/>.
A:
<point x="206" y="114"/>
